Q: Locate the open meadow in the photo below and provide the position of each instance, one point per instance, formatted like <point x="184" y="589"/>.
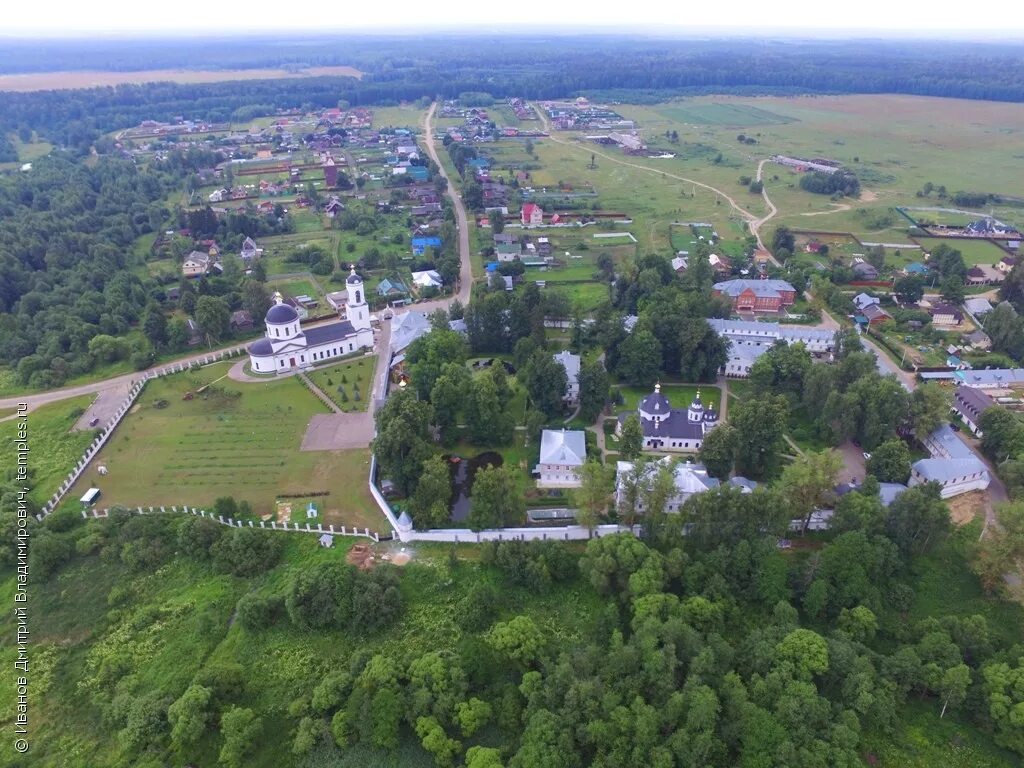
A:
<point x="239" y="440"/>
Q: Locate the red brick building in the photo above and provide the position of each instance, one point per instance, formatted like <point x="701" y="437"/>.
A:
<point x="757" y="295"/>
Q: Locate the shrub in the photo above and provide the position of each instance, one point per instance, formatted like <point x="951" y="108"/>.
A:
<point x="256" y="612"/>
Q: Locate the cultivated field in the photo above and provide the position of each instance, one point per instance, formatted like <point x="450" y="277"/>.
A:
<point x="190" y="452"/>
<point x="55" y="81"/>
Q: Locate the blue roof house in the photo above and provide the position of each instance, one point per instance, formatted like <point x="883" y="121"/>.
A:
<point x="420" y="244"/>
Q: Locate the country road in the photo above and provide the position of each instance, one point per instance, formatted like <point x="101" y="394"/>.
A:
<point x="462" y="221"/>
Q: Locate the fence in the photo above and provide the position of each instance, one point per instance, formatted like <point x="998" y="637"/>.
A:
<point x="108" y="430"/>
<point x="405" y="533"/>
<point x="232" y="523"/>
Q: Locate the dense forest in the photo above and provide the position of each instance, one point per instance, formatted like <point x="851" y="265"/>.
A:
<point x="410" y="69"/>
<point x="195" y="643"/>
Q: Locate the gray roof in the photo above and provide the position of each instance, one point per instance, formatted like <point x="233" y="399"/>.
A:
<point x="972" y="400"/>
<point x="946" y="470"/>
<point x="561" y="446"/>
<point x="689" y="477"/>
<point x="747" y="486"/>
<point x="862" y="300"/>
<point x="949" y="443"/>
<point x="994" y="377"/>
<point x="324" y="334"/>
<point x="888" y="492"/>
<point x="788" y="333"/>
<point x="571" y="363"/>
<point x="759" y="287"/>
<point x="406" y="328"/>
<point x="281" y="314"/>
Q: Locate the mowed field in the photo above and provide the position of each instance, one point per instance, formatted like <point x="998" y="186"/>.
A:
<point x="50" y="81"/>
<point x="190" y="452"/>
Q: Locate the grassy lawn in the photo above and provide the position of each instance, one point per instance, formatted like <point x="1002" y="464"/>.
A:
<point x="53" y="449"/>
<point x="193" y="451"/>
<point x="352" y="376"/>
<point x="974" y="251"/>
<point x="297" y="287"/>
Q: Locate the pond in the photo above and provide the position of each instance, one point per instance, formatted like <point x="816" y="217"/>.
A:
<point x="462" y="472"/>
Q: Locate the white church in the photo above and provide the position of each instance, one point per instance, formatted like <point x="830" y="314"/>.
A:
<point x="287" y="346"/>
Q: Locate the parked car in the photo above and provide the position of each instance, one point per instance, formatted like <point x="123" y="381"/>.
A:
<point x="866" y="455"/>
<point x="93" y="422"/>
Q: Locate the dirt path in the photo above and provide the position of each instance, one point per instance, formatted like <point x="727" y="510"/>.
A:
<point x="836" y="208"/>
<point x="752" y="221"/>
<point x="465" y="267"/>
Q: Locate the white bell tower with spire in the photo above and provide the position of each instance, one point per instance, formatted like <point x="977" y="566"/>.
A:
<point x="357" y="311"/>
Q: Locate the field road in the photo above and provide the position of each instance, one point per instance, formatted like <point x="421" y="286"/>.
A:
<point x="752" y="221"/>
<point x="755" y="226"/>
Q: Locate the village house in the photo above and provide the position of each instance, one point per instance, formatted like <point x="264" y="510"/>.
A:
<point x="977" y="306"/>
<point x="241" y="320"/>
<point x="571" y="363"/>
<point x="757" y="295"/>
<point x="532" y="215"/>
<point x="668" y="429"/>
<point x="862" y="270"/>
<point x="978" y="339"/>
<point x="250" y="251"/>
<point x="388" y="287"/>
<point x="562" y="453"/>
<point x="862" y="300"/>
<point x="334" y="207"/>
<point x="196" y="264"/>
<point x="689" y="480"/>
<point x="874" y="314"/>
<point x="427" y="279"/>
<point x="946" y="314"/>
<point x="969" y="403"/>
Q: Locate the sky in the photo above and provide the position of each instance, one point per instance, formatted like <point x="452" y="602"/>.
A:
<point x="74" y="18"/>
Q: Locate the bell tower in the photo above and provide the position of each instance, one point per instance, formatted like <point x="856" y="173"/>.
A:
<point x="357" y="311"/>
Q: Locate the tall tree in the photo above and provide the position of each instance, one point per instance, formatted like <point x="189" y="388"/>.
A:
<point x="545" y="381"/>
<point x="718" y="451"/>
<point x="403" y="440"/>
<point x="154" y="325"/>
<point x="593" y="389"/>
<point x="213" y="316"/>
<point x="890" y="462"/>
<point x="761" y="423"/>
<point x="918" y="519"/>
<point x="495" y="500"/>
<point x="429" y="502"/>
<point x="631" y="439"/>
<point x="929" y="407"/>
<point x="808" y="481"/>
<point x="639" y="358"/>
<point x="449" y="397"/>
<point x="597" y="482"/>
<point x="426" y="356"/>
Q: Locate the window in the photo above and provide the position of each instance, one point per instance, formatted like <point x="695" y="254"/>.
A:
<point x="357" y="297"/>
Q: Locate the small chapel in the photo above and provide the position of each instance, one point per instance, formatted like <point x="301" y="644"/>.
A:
<point x="673" y="429"/>
<point x="287" y="346"/>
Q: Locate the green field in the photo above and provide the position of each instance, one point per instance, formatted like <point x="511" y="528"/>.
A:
<point x="53" y="448"/>
<point x="190" y="452"/>
<point x="352" y="376"/>
<point x="721" y="114"/>
<point x="974" y="251"/>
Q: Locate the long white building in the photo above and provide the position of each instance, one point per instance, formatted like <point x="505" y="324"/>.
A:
<point x="750" y="339"/>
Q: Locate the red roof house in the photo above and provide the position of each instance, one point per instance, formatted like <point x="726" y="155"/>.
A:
<point x="532" y="215"/>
